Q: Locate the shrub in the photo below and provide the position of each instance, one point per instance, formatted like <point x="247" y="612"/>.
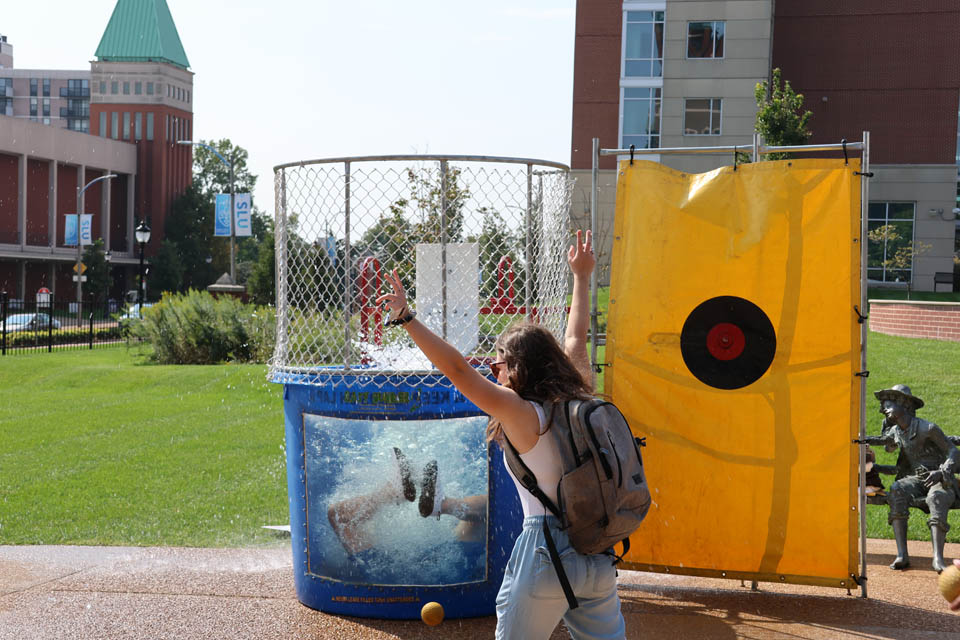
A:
<point x="196" y="328"/>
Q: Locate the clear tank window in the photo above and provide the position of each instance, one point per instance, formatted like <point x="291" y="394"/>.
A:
<point x="362" y="529"/>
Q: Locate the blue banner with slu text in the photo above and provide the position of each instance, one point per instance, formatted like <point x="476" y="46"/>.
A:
<point x="242" y="207"/>
<point x="70" y="230"/>
<point x="221" y="225"/>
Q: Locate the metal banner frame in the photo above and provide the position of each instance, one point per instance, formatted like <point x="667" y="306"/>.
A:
<point x="756" y="150"/>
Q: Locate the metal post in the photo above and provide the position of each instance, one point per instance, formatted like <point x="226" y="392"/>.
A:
<point x="443" y="247"/>
<point x="864" y="208"/>
<point x="233" y="226"/>
<point x="140" y="288"/>
<point x="530" y="270"/>
<point x="595" y="175"/>
<point x="50" y="324"/>
<point x="755" y="154"/>
<point x="80" y="209"/>
<point x="347" y="266"/>
<point x="91" y="329"/>
<point x="3" y="322"/>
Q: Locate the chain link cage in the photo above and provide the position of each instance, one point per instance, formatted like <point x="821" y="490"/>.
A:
<point x="479" y="243"/>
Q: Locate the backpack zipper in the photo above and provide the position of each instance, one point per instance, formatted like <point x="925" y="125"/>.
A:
<point x="596" y="443"/>
<point x="617" y="456"/>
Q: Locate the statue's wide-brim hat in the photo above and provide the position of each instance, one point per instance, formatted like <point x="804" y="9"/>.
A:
<point x="901" y="394"/>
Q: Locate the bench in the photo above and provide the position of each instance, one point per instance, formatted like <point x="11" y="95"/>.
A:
<point x="891" y="469"/>
<point x="943" y="277"/>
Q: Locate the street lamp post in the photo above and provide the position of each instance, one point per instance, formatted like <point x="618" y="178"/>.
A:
<point x="233" y="231"/>
<point x="80" y="209"/>
<point x="143" y="237"/>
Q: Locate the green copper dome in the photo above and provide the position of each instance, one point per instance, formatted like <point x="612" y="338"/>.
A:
<point x="142" y="31"/>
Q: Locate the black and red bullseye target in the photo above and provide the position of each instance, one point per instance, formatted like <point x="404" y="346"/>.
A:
<point x="728" y="342"/>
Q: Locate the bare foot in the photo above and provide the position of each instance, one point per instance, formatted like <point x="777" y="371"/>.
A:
<point x="900" y="563"/>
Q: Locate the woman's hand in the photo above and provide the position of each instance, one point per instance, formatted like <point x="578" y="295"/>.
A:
<point x="394" y="303"/>
<point x="580" y="256"/>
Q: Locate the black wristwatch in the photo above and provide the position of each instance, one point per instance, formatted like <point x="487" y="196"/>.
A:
<point x="400" y="320"/>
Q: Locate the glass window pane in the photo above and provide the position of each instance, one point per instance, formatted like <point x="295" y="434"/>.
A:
<point x="696" y="117"/>
<point x="700" y="40"/>
<point x="103" y="124"/>
<point x="114" y="125"/>
<point x="138" y="126"/>
<point x="718" y="39"/>
<point x="640" y="16"/>
<point x="658" y="16"/>
<point x="715" y="117"/>
<point x="637" y="69"/>
<point x="901" y="210"/>
<point x="639" y="142"/>
<point x="150" y="126"/>
<point x="639" y="40"/>
<point x="636" y="92"/>
<point x="658" y="41"/>
<point x="126" y="126"/>
<point x="636" y="116"/>
<point x="877" y="211"/>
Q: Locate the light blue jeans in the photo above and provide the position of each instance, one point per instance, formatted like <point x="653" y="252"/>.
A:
<point x="531" y="602"/>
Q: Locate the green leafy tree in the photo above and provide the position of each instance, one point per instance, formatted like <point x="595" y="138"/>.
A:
<point x="189" y="228"/>
<point x="889" y="248"/>
<point x="781" y="120"/>
<point x="97" y="286"/>
<point x="166" y="271"/>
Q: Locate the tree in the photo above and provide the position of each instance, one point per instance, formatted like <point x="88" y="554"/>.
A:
<point x="97" y="272"/>
<point x="780" y="120"/>
<point x="889" y="248"/>
<point x="166" y="271"/>
<point x="189" y="228"/>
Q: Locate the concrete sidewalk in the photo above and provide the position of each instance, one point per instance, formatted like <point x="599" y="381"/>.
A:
<point x="54" y="593"/>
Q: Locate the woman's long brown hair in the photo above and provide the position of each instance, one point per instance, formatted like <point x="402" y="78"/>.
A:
<point x="538" y="368"/>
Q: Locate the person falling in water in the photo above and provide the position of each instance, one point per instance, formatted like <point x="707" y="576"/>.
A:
<point x="349" y="517"/>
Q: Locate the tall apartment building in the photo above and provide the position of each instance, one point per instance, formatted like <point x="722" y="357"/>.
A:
<point x="682" y="73"/>
<point x="122" y="116"/>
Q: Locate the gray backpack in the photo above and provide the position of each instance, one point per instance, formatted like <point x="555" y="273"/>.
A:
<point x="603" y="495"/>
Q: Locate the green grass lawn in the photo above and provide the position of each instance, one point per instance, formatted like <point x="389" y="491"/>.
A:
<point x="98" y="448"/>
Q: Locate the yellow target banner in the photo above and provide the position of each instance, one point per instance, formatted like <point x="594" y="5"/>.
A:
<point x="733" y="345"/>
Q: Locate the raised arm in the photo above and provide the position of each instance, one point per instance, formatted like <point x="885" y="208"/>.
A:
<point x="518" y="417"/>
<point x="582" y="261"/>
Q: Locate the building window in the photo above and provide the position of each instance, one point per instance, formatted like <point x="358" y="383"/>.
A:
<point x="103" y="124"/>
<point x="114" y="125"/>
<point x="126" y="88"/>
<point x="33" y="86"/>
<point x="896" y="218"/>
<point x="33" y="107"/>
<point x="701" y="116"/>
<point x="46" y="108"/>
<point x="643" y="44"/>
<point x="138" y="88"/>
<point x="46" y="87"/>
<point x="138" y="126"/>
<point x="167" y="119"/>
<point x="103" y="87"/>
<point x="46" y="121"/>
<point x="641" y="117"/>
<point x="114" y="86"/>
<point x="150" y="126"/>
<point x="126" y="125"/>
<point x="149" y="88"/>
<point x="188" y="97"/>
<point x="705" y="39"/>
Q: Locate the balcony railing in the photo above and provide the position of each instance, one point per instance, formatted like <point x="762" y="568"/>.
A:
<point x="67" y="92"/>
<point x="66" y="112"/>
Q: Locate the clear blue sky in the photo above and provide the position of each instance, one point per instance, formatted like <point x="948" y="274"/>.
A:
<point x="299" y="79"/>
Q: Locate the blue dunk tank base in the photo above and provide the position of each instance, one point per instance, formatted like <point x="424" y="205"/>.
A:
<point x="360" y="547"/>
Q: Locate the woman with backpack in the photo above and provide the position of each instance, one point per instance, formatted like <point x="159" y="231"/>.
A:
<point x="532" y="369"/>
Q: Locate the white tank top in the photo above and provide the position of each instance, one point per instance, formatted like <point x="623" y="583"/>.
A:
<point x="543" y="460"/>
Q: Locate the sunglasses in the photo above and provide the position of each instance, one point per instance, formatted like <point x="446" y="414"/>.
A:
<point x="495" y="367"/>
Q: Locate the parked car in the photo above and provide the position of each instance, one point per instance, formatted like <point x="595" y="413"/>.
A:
<point x="30" y="322"/>
<point x="132" y="313"/>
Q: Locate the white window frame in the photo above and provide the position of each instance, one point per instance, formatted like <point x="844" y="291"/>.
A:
<point x="686" y="40"/>
<point x="638" y="6"/>
<point x="633" y="82"/>
<point x="887" y="220"/>
<point x="703" y="135"/>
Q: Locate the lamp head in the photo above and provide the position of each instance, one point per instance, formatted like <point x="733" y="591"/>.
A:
<point x="142" y="233"/>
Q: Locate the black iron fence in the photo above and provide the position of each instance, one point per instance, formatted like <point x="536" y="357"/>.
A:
<point x="34" y="326"/>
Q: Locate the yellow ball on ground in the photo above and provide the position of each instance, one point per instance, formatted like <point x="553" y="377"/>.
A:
<point x="949" y="582"/>
<point x="432" y="613"/>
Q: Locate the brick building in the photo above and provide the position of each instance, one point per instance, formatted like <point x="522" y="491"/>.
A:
<point x="681" y="73"/>
<point x="122" y="116"/>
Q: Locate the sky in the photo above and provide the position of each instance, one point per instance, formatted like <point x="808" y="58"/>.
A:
<point x="292" y="80"/>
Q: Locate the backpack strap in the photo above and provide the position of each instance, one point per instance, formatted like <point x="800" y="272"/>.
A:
<point x="558" y="567"/>
<point x="529" y="481"/>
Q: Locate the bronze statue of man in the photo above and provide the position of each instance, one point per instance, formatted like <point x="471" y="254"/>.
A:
<point x="925" y="469"/>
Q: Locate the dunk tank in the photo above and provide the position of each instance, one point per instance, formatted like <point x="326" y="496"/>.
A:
<point x="395" y="497"/>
